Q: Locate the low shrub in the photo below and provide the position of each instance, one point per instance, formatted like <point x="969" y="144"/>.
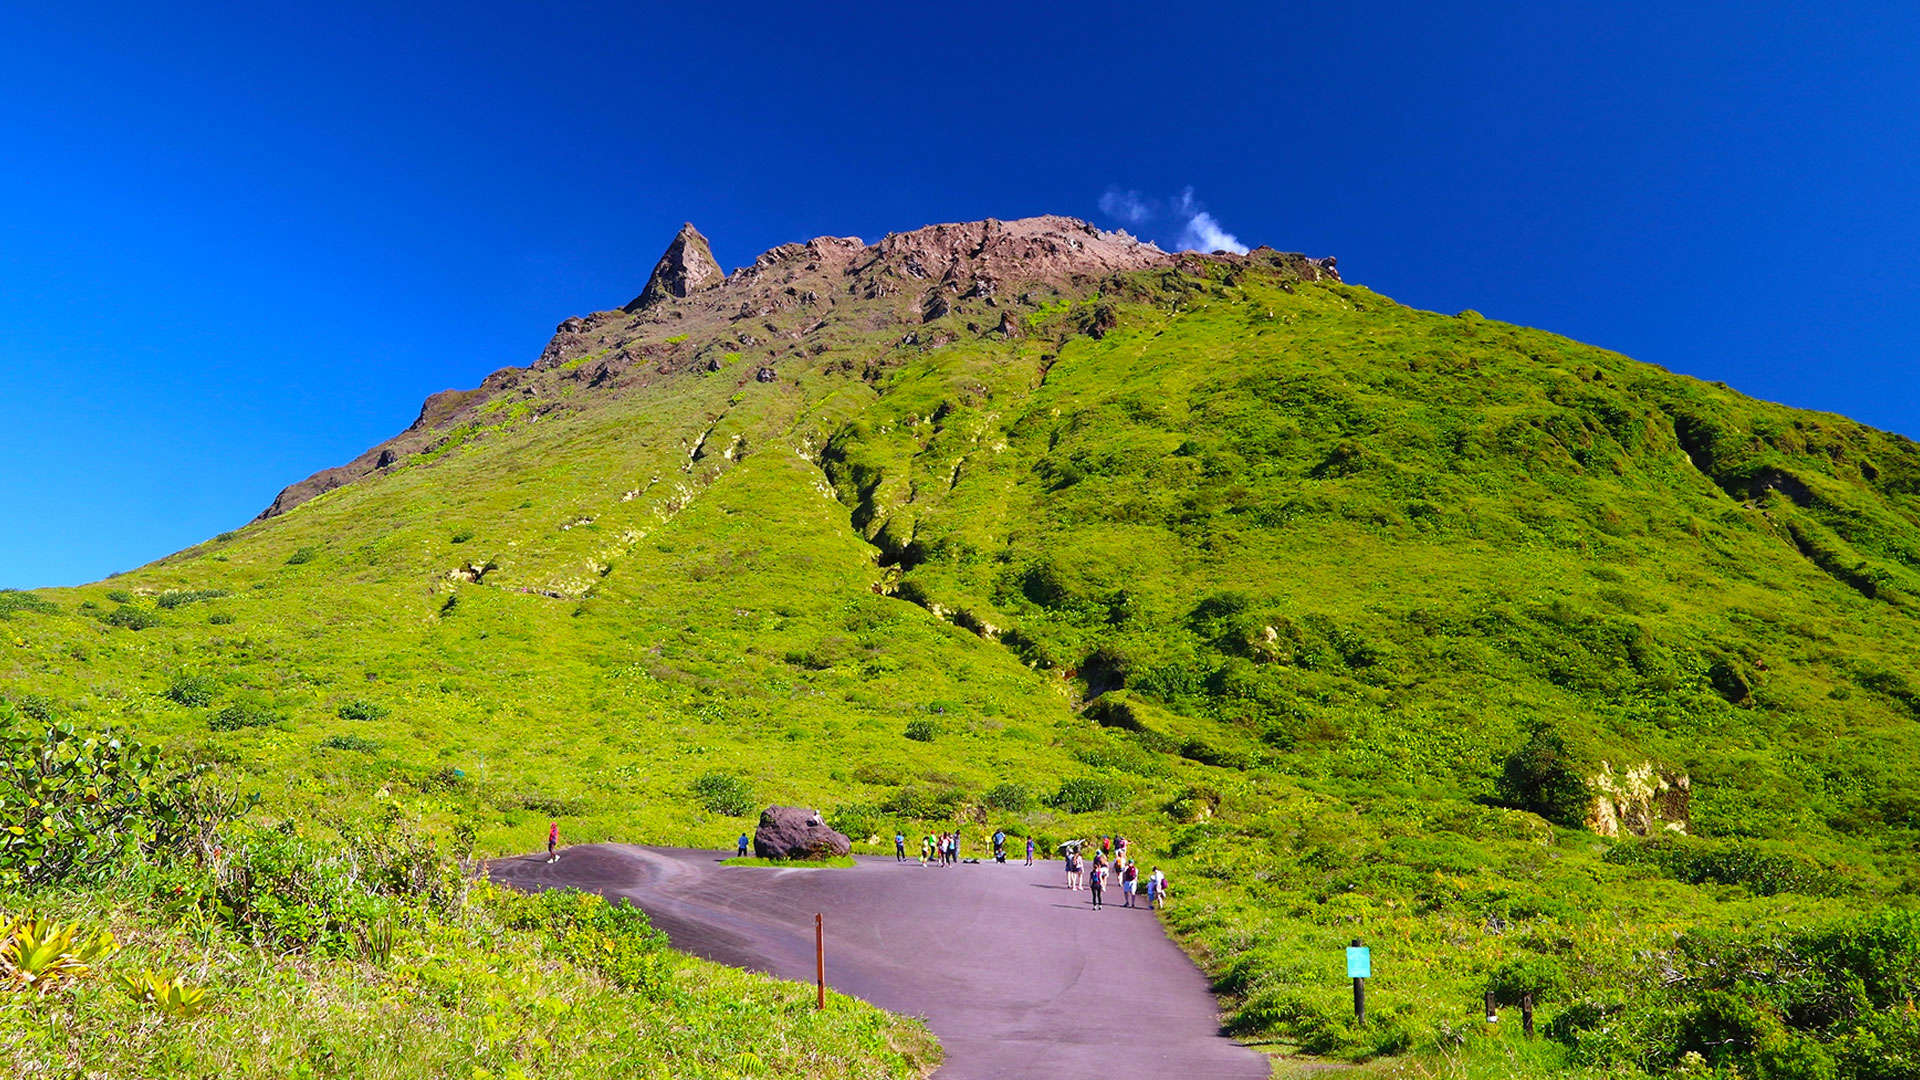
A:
<point x="128" y="617"/>
<point x="1698" y="861"/>
<point x="361" y="709"/>
<point x="461" y="536"/>
<point x="220" y="618"/>
<point x="922" y="729"/>
<point x="724" y="793"/>
<point x="1543" y="776"/>
<point x="358" y="743"/>
<point x="242" y="714"/>
<point x="1083" y="795"/>
<point x="193" y="691"/>
<point x="301" y="555"/>
<point x="174" y="598"/>
<point x="13" y="601"/>
<point x="925" y="802"/>
<point x="611" y="937"/>
<point x="1011" y="797"/>
<point x="882" y="773"/>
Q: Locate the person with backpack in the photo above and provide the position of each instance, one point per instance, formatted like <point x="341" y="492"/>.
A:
<point x="899" y="847"/>
<point x="999" y="845"/>
<point x="1129" y="879"/>
<point x="1157" y="888"/>
<point x="1097" y="883"/>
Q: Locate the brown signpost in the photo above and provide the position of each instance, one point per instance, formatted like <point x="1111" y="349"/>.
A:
<point x="820" y="960"/>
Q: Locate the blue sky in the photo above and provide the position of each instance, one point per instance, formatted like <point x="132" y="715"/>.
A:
<point x="240" y="243"/>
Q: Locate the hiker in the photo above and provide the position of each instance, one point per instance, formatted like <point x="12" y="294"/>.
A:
<point x="743" y="845"/>
<point x="553" y="841"/>
<point x="1129" y="879"/>
<point x="926" y="850"/>
<point x="1073" y="868"/>
<point x="899" y="847"/>
<point x="955" y="841"/>
<point x="1158" y="885"/>
<point x="1029" y="851"/>
<point x="1000" y="845"/>
<point x="1097" y="883"/>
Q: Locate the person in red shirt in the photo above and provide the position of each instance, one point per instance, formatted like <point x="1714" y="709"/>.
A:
<point x="553" y="841"/>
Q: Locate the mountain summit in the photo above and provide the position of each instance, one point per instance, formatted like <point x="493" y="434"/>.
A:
<point x="686" y="267"/>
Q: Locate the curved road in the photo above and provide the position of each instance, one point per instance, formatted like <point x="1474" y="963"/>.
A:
<point x="1016" y="974"/>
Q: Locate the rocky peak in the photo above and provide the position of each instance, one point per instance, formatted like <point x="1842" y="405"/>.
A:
<point x="685" y="268"/>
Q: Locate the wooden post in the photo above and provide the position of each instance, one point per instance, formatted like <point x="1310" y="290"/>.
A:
<point x="1526" y="1013"/>
<point x="820" y="964"/>
<point x="1359" y="995"/>
<point x="1493" y="1009"/>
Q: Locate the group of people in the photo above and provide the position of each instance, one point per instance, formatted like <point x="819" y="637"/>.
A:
<point x="1112" y="865"/>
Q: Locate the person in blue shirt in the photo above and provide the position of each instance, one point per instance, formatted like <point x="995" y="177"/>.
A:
<point x="1000" y="845"/>
<point x="899" y="847"/>
<point x="743" y="845"/>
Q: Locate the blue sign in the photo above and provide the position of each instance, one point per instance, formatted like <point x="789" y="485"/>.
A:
<point x="1359" y="962"/>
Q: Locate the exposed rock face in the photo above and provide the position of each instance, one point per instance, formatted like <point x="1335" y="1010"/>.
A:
<point x="685" y="269"/>
<point x="795" y="832"/>
<point x="1641" y="801"/>
<point x="969" y="273"/>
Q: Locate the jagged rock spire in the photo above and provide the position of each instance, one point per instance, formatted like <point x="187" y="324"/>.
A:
<point x="687" y="267"/>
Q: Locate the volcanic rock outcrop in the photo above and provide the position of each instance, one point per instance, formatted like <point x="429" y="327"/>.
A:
<point x="795" y="832"/>
<point x="685" y="268"/>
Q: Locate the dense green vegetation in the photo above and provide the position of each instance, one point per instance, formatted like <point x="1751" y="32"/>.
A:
<point x="146" y="929"/>
<point x="1336" y="607"/>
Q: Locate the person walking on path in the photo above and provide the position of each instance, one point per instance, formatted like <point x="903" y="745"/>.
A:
<point x="999" y="845"/>
<point x="1029" y="851"/>
<point x="1129" y="879"/>
<point x="553" y="841"/>
<point x="956" y="847"/>
<point x="1157" y="888"/>
<point x="899" y="847"/>
<point x="926" y="850"/>
<point x="1097" y="883"/>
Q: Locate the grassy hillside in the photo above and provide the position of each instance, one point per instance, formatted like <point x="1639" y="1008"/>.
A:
<point x="1337" y="606"/>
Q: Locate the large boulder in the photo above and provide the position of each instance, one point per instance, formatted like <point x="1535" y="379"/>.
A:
<point x="795" y="832"/>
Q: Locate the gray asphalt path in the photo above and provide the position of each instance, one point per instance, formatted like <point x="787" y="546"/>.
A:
<point x="1016" y="975"/>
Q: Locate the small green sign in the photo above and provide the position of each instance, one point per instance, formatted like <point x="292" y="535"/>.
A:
<point x="1359" y="962"/>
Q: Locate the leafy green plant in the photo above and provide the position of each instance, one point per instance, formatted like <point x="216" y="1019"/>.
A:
<point x="1009" y="796"/>
<point x="193" y="691"/>
<point x="922" y="729"/>
<point x="362" y="709"/>
<point x="357" y="743"/>
<point x="127" y="617"/>
<point x="724" y="793"/>
<point x="173" y="598"/>
<point x="1082" y="795"/>
<point x="164" y="993"/>
<point x="43" y="956"/>
<point x="15" y="601"/>
<point x="1544" y="776"/>
<point x="242" y="714"/>
<point x="220" y="618"/>
<point x="302" y="555"/>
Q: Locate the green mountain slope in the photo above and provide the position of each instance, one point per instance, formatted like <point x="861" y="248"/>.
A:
<point x="1315" y="595"/>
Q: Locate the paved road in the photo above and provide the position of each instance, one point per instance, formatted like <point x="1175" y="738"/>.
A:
<point x="1016" y="975"/>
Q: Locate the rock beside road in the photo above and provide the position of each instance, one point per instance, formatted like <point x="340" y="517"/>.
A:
<point x="795" y="832"/>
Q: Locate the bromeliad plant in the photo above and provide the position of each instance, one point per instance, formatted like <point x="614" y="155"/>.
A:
<point x="164" y="993"/>
<point x="42" y="956"/>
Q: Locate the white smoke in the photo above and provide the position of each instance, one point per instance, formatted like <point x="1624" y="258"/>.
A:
<point x="1193" y="227"/>
<point x="1126" y="206"/>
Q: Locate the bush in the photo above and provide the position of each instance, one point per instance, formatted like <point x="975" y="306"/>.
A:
<point x="1011" y="797"/>
<point x="1696" y="861"/>
<point x="612" y="937"/>
<point x="922" y="729"/>
<point x="193" y="691"/>
<point x="1543" y="776"/>
<point x="924" y="802"/>
<point x="301" y="555"/>
<point x="361" y="709"/>
<point x="461" y="536"/>
<point x="860" y="822"/>
<point x="874" y="772"/>
<point x="1533" y="974"/>
<point x="174" y="598"/>
<point x="14" y="600"/>
<point x="78" y="803"/>
<point x="242" y="714"/>
<point x="131" y="618"/>
<point x="120" y="596"/>
<point x="220" y="618"/>
<point x="358" y="743"/>
<point x="724" y="793"/>
<point x="1083" y="795"/>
